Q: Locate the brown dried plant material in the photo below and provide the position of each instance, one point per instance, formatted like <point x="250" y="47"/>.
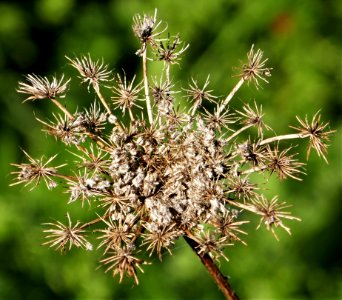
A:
<point x="169" y="172"/>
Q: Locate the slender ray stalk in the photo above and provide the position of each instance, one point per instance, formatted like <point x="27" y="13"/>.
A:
<point x="230" y="95"/>
<point x="147" y="94"/>
<point x="62" y="108"/>
<point x="283" y="137"/>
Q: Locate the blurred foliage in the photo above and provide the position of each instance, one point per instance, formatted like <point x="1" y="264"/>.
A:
<point x="303" y="42"/>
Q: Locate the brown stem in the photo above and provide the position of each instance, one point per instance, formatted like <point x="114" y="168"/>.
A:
<point x="67" y="177"/>
<point x="148" y="100"/>
<point x="236" y="133"/>
<point x="62" y="108"/>
<point x="99" y="219"/>
<point x="230" y="95"/>
<point x="167" y="72"/>
<point x="283" y="137"/>
<point x="105" y="104"/>
<point x="98" y="141"/>
<point x="102" y="99"/>
<point x="214" y="271"/>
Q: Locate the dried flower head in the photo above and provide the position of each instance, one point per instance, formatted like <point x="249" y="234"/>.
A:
<point x="91" y="71"/>
<point x="69" y="131"/>
<point x="229" y="227"/>
<point x="252" y="152"/>
<point x="197" y="94"/>
<point x="168" y="51"/>
<point x="272" y="212"/>
<point x="123" y="262"/>
<point x="61" y="235"/>
<point x="95" y="160"/>
<point x="254" y="118"/>
<point x="85" y="187"/>
<point x="116" y="234"/>
<point x="218" y="120"/>
<point x="168" y="172"/>
<point x="35" y="171"/>
<point x="242" y="188"/>
<point x="158" y="238"/>
<point x="317" y="133"/>
<point x="94" y="118"/>
<point x="126" y="94"/>
<point x="283" y="163"/>
<point x="144" y="28"/>
<point x="41" y="88"/>
<point x="212" y="244"/>
<point x="255" y="68"/>
<point x="163" y="94"/>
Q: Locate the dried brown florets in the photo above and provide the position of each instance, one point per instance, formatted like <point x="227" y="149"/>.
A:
<point x="283" y="163"/>
<point x="69" y="131"/>
<point x="168" y="51"/>
<point x="159" y="238"/>
<point x="116" y="234"/>
<point x="252" y="152"/>
<point x="95" y="160"/>
<point x="317" y="133"/>
<point x="94" y="118"/>
<point x="272" y="212"/>
<point x="61" y="235"/>
<point x="144" y="28"/>
<point x="123" y="262"/>
<point x="162" y="91"/>
<point x="213" y="244"/>
<point x="229" y="227"/>
<point x="255" y="68"/>
<point x="198" y="94"/>
<point x="254" y="118"/>
<point x="242" y="188"/>
<point x="91" y="71"/>
<point x="35" y="171"/>
<point x="41" y="88"/>
<point x="163" y="94"/>
<point x="219" y="121"/>
<point x="126" y="94"/>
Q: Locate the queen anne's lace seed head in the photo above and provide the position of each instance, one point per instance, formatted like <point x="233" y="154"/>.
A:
<point x="169" y="171"/>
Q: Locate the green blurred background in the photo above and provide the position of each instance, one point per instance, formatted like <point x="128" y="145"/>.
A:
<point x="303" y="42"/>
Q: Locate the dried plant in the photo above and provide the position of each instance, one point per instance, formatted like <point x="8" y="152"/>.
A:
<point x="167" y="173"/>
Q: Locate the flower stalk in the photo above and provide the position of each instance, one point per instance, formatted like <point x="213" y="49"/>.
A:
<point x="62" y="108"/>
<point x="231" y="95"/>
<point x="283" y="137"/>
<point x="146" y="87"/>
<point x="220" y="280"/>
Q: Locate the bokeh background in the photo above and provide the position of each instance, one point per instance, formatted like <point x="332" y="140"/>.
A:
<point x="303" y="42"/>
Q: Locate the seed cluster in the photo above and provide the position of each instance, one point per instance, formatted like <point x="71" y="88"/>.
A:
<point x="167" y="173"/>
